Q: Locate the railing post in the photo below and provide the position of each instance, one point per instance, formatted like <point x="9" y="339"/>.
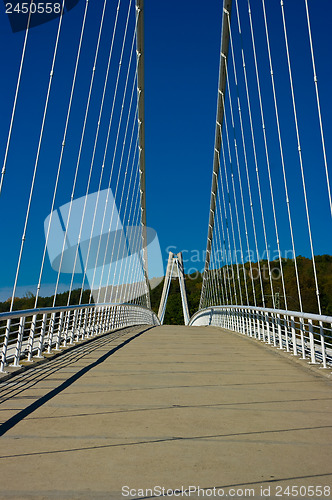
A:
<point x="31" y="338"/>
<point x="50" y="332"/>
<point x="91" y="312"/>
<point x="120" y="316"/>
<point x="258" y="325"/>
<point x="248" y="322"/>
<point x="111" y="322"/>
<point x="75" y="330"/>
<point x="92" y="321"/>
<point x="18" y="347"/>
<point x="98" y="322"/>
<point x="118" y="322"/>
<point x="109" y="313"/>
<point x="273" y="323"/>
<point x="5" y="346"/>
<point x="64" y="320"/>
<point x="267" y="320"/>
<point x="279" y="331"/>
<point x="102" y="320"/>
<point x="260" y="333"/>
<point x="77" y="324"/>
<point x="312" y="342"/>
<point x="293" y="336"/>
<point x="104" y="313"/>
<point x="302" y="337"/>
<point x="286" y="333"/>
<point x="58" y="335"/>
<point x="42" y="336"/>
<point x="85" y="322"/>
<point x="107" y="322"/>
<point x="72" y="331"/>
<point x="251" y="323"/>
<point x="242" y="321"/>
<point x="94" y="325"/>
<point x="322" y="343"/>
<point x="115" y="317"/>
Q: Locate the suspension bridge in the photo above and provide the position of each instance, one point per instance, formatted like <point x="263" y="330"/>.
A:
<point x="100" y="399"/>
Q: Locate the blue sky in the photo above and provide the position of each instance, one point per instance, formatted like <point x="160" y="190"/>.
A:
<point x="181" y="81"/>
<point x="182" y="41"/>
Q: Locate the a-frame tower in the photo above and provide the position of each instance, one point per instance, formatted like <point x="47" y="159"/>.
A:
<point x="175" y="270"/>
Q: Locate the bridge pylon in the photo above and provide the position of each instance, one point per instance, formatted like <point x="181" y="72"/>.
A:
<point x="175" y="270"/>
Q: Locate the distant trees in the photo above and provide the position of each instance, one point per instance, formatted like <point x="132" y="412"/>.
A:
<point x="174" y="314"/>
<point x="28" y="301"/>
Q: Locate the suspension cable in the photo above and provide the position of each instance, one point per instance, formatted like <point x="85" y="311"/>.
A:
<point x="120" y="166"/>
<point x="41" y="134"/>
<point x="107" y="140"/>
<point x="300" y="157"/>
<point x="265" y="144"/>
<point x="318" y="106"/>
<point x="237" y="162"/>
<point x="280" y="143"/>
<point x="18" y="83"/>
<point x="222" y="247"/>
<point x="231" y="220"/>
<point x="60" y="164"/>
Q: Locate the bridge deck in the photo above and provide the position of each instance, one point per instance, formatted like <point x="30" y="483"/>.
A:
<point x="168" y="407"/>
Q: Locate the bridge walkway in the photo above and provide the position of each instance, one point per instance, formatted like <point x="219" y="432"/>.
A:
<point x="168" y="407"/>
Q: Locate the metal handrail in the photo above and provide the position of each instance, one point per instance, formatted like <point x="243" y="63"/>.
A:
<point x="30" y="332"/>
<point x="43" y="310"/>
<point x="305" y="334"/>
<point x="298" y="314"/>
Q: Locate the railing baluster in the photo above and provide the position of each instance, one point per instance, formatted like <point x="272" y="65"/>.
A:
<point x="302" y="338"/>
<point x="268" y="323"/>
<point x="322" y="343"/>
<point x="279" y="331"/>
<point x="19" y="341"/>
<point x="286" y="333"/>
<point x="5" y="347"/>
<point x="50" y="332"/>
<point x="31" y="338"/>
<point x="312" y="342"/>
<point x="293" y="335"/>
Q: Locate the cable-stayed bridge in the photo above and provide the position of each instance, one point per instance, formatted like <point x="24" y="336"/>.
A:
<point x="75" y="216"/>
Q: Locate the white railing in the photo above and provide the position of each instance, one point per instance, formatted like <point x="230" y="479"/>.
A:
<point x="305" y="335"/>
<point x="30" y="333"/>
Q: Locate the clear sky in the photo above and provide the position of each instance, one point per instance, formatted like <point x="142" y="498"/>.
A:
<point x="182" y="43"/>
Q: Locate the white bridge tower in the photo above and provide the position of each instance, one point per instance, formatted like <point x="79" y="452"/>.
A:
<point x="175" y="270"/>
